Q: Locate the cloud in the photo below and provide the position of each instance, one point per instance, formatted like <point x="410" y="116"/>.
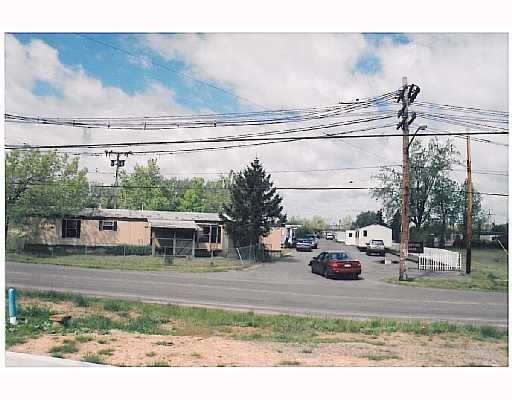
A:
<point x="276" y="70"/>
<point x="140" y="61"/>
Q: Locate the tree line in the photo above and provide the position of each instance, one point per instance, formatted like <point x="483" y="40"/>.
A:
<point x="40" y="185"/>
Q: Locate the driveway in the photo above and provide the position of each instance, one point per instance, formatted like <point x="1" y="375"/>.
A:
<point x="286" y="286"/>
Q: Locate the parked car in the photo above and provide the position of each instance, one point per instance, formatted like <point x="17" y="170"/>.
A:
<point x="376" y="246"/>
<point x="304" y="245"/>
<point x="335" y="264"/>
<point x="329" y="236"/>
<point x="313" y="240"/>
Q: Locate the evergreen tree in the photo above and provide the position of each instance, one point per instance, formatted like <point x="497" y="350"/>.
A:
<point x="255" y="206"/>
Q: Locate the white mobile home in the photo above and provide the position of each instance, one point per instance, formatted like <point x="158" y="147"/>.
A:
<point x="339" y="236"/>
<point x="370" y="232"/>
<point x="350" y="237"/>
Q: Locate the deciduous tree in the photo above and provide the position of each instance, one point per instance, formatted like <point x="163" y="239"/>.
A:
<point x="41" y="185"/>
<point x="428" y="168"/>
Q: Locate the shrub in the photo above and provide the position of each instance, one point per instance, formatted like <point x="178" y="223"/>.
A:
<point x="58" y="351"/>
<point x="106" y="352"/>
<point x="81" y="301"/>
<point x="115" y="305"/>
<point x="92" y="358"/>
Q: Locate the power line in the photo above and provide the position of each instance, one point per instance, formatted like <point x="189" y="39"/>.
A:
<point x="482" y="172"/>
<point x="166" y="67"/>
<point x="152" y="123"/>
<point x="460" y="108"/>
<point x="268" y="171"/>
<point x="473" y="138"/>
<point x="184" y="188"/>
<point x="222" y="140"/>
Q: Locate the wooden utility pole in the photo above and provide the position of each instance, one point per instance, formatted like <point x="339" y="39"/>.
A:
<point x="117" y="163"/>
<point x="404" y="230"/>
<point x="469" y="208"/>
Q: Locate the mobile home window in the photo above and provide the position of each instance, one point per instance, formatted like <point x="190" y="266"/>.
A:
<point x="215" y="232"/>
<point x="365" y="233"/>
<point x="71" y="228"/>
<point x="350" y="234"/>
<point x="107" y="225"/>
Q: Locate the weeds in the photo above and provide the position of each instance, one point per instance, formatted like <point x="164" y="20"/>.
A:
<point x="289" y="363"/>
<point x="306" y="351"/>
<point x="206" y="322"/>
<point x="381" y="357"/>
<point x="116" y="305"/>
<point x="160" y="363"/>
<point x="66" y="348"/>
<point x="83" y="339"/>
<point x="196" y="355"/>
<point x="151" y="354"/>
<point x="81" y="301"/>
<point x="93" y="358"/>
<point x="106" y="352"/>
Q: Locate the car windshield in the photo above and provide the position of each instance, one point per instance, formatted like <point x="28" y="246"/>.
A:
<point x="377" y="242"/>
<point x="339" y="256"/>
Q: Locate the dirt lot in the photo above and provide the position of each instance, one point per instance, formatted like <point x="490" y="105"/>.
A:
<point x="194" y="344"/>
<point x="397" y="349"/>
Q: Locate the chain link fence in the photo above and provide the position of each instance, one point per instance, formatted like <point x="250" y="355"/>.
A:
<point x="256" y="253"/>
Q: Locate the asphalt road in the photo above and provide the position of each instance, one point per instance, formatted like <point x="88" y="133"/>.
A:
<point x="286" y="286"/>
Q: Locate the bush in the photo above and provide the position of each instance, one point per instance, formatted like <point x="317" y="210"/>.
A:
<point x="479" y="244"/>
<point x="128" y="250"/>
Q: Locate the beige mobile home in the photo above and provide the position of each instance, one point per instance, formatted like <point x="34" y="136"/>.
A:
<point x="178" y="233"/>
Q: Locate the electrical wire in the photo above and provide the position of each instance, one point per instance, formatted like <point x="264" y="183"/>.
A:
<point x="301" y="188"/>
<point x="222" y="140"/>
<point x="151" y="123"/>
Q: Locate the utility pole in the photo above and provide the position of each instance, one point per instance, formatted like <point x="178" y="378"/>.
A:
<point x="469" y="208"/>
<point x="117" y="163"/>
<point x="407" y="95"/>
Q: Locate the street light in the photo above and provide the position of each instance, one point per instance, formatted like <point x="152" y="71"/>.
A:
<point x="420" y="128"/>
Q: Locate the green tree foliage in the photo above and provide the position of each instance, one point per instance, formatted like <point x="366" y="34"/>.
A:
<point x="218" y="193"/>
<point x="205" y="196"/>
<point x="42" y="184"/>
<point x="346" y="222"/>
<point x="428" y="171"/>
<point x="194" y="198"/>
<point x="314" y="224"/>
<point x="144" y="188"/>
<point x="447" y="205"/>
<point x="100" y="196"/>
<point x="254" y="208"/>
<point x="476" y="208"/>
<point x="368" y="218"/>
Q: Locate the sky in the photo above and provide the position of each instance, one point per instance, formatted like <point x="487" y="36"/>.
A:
<point x="74" y="75"/>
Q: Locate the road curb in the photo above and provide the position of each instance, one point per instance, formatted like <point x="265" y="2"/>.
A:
<point x="13" y="359"/>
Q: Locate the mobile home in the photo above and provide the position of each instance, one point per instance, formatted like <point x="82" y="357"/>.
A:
<point x="370" y="232"/>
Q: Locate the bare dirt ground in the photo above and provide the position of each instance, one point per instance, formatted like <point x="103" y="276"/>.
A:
<point x="348" y="349"/>
<point x="397" y="349"/>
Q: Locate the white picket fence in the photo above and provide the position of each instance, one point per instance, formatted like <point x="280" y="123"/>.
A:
<point x="439" y="260"/>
